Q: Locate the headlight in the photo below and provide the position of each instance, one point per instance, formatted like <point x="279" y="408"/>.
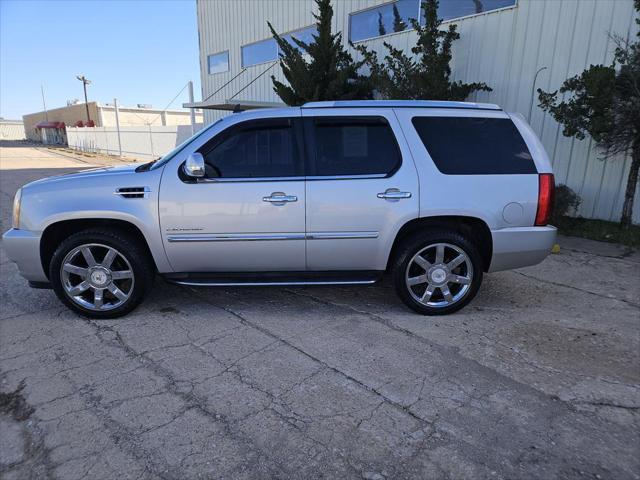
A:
<point x="16" y="208"/>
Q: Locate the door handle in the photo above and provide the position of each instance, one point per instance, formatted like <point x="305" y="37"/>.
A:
<point x="280" y="198"/>
<point x="394" y="194"/>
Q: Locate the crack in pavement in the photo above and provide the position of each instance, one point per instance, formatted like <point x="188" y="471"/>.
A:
<point x="35" y="457"/>
<point x="362" y="385"/>
<point x="571" y="287"/>
<point x="624" y="256"/>
<point x="446" y="350"/>
<point x="191" y="400"/>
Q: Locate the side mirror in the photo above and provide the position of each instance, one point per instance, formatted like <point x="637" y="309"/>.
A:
<point x="194" y="166"/>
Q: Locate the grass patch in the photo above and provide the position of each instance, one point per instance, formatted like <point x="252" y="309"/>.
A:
<point x="598" y="230"/>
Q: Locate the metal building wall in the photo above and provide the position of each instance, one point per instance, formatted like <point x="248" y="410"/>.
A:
<point x="503" y="48"/>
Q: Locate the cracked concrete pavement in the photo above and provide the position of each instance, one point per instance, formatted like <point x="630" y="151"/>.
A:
<point x="538" y="378"/>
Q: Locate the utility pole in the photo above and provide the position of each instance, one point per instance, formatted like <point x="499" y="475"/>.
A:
<point x="115" y="106"/>
<point x="85" y="81"/>
<point x="44" y="105"/>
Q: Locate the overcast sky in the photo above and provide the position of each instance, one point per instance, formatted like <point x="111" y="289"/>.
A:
<point x="140" y="51"/>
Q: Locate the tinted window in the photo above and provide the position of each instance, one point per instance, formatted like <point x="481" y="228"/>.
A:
<point x="218" y="62"/>
<point x="253" y="150"/>
<point x="390" y="18"/>
<point x="472" y="146"/>
<point x="362" y="146"/>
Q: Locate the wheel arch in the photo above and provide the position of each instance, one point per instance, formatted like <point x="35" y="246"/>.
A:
<point x="55" y="232"/>
<point x="473" y="228"/>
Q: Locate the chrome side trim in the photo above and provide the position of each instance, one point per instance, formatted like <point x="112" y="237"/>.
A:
<point x="292" y="179"/>
<point x="346" y="177"/>
<point x="251" y="179"/>
<point x="190" y="283"/>
<point x="253" y="237"/>
<point x="340" y="235"/>
<point x="235" y="237"/>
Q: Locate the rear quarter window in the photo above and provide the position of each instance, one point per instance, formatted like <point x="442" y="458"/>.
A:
<point x="474" y="146"/>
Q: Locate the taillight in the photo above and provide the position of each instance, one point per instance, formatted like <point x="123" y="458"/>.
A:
<point x="546" y="192"/>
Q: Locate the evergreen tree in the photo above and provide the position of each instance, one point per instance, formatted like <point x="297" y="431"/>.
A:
<point x="381" y="29"/>
<point x="426" y="74"/>
<point x="329" y="73"/>
<point x="398" y="23"/>
<point x="604" y="102"/>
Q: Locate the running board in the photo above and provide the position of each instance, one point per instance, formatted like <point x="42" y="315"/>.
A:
<point x="276" y="279"/>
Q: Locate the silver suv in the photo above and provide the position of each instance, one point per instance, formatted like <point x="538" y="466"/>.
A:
<point x="436" y="193"/>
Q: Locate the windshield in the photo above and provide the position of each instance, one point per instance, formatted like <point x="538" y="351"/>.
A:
<point x="162" y="161"/>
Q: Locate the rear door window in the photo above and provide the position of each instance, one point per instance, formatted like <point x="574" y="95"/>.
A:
<point x="353" y="146"/>
<point x="474" y="146"/>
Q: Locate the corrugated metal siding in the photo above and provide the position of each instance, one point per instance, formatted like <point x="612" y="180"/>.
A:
<point x="504" y="48"/>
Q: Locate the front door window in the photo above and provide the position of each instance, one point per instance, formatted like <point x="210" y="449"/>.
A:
<point x="261" y="149"/>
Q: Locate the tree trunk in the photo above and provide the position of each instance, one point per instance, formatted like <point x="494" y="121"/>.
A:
<point x="630" y="192"/>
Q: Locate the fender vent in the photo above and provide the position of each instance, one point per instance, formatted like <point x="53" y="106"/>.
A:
<point x="133" y="192"/>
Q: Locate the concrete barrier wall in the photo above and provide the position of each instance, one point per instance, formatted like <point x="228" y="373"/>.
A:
<point x="144" y="142"/>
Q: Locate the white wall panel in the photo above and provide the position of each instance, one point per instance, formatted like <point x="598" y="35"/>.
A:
<point x="12" y="130"/>
<point x="504" y="48"/>
<point x="141" y="142"/>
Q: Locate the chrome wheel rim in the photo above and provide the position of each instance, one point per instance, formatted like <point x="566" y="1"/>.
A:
<point x="439" y="275"/>
<point x="97" y="277"/>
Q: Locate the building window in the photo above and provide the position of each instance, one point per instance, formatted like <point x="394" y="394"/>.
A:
<point x="450" y="9"/>
<point x="259" y="52"/>
<point x="304" y="35"/>
<point x="267" y="50"/>
<point x="382" y="20"/>
<point x="218" y="62"/>
<point x="394" y="17"/>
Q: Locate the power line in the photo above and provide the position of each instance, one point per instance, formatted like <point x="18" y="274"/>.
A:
<point x="170" y="103"/>
<point x="146" y="122"/>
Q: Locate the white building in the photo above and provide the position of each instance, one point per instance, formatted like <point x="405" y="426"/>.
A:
<point x="504" y="45"/>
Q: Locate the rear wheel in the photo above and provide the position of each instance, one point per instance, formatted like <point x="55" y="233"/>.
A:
<point x="437" y="272"/>
<point x="101" y="273"/>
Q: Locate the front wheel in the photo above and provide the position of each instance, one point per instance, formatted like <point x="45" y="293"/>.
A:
<point x="437" y="272"/>
<point x="101" y="273"/>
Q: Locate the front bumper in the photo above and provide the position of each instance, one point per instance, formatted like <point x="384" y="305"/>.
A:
<point x="23" y="248"/>
<point x="521" y="246"/>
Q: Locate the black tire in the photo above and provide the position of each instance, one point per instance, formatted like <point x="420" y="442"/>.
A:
<point x="416" y="243"/>
<point x="128" y="247"/>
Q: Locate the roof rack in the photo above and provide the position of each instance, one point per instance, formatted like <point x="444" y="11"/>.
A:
<point x="401" y="104"/>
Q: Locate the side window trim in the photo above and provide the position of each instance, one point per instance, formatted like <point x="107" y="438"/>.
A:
<point x="310" y="143"/>
<point x="297" y="131"/>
